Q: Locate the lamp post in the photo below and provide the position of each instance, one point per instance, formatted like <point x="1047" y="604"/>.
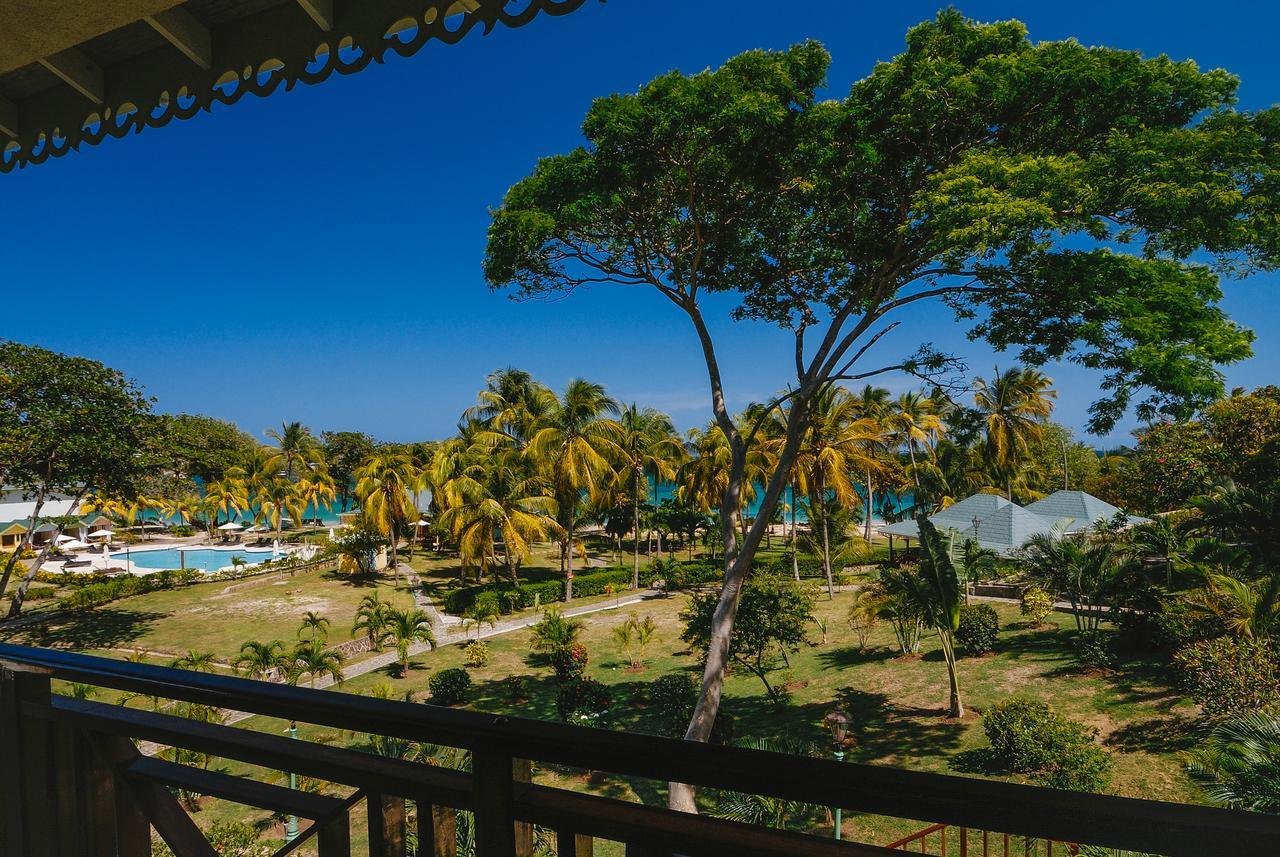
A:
<point x="291" y="824"/>
<point x="838" y="723"/>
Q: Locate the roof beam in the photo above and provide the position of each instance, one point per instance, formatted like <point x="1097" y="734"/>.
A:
<point x="79" y="72"/>
<point x="321" y="11"/>
<point x="8" y="117"/>
<point x="185" y="33"/>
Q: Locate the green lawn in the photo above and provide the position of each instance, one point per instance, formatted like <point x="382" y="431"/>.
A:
<point x="897" y="703"/>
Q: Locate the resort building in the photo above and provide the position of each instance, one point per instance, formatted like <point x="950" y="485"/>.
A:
<point x="1000" y="525"/>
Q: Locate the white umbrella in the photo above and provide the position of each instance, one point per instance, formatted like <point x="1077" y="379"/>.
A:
<point x="64" y="538"/>
<point x="75" y="545"/>
<point x="102" y="534"/>
<point x="230" y="525"/>
<point x="422" y="523"/>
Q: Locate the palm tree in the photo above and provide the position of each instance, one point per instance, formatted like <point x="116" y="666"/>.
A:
<point x="1248" y="516"/>
<point x="315" y="488"/>
<point x="762" y="810"/>
<point x="372" y="618"/>
<point x="274" y="496"/>
<point x="1015" y="405"/>
<point x="296" y="448"/>
<point x="314" y="659"/>
<point x="574" y="445"/>
<point x="649" y="446"/>
<point x="315" y="625"/>
<point x="197" y="661"/>
<point x="1247" y="608"/>
<point x="257" y="659"/>
<point x="1080" y="569"/>
<point x="225" y="496"/>
<point x="833" y="446"/>
<point x="914" y="422"/>
<point x="1238" y="764"/>
<point x="407" y="627"/>
<point x="497" y="495"/>
<point x="872" y="404"/>
<point x="382" y="484"/>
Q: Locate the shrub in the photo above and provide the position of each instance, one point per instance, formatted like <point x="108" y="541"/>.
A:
<point x="181" y="530"/>
<point x="1036" y="605"/>
<point x="1031" y="738"/>
<point x="1231" y="676"/>
<point x="554" y="631"/>
<point x="476" y="653"/>
<point x="979" y="627"/>
<point x="1179" y="625"/>
<point x="584" y="701"/>
<point x="673" y="697"/>
<point x="569" y="662"/>
<point x="450" y="686"/>
<point x="40" y="593"/>
<point x="1094" y="649"/>
<point x="517" y="688"/>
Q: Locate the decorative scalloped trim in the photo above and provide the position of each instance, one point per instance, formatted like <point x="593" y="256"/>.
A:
<point x="344" y="52"/>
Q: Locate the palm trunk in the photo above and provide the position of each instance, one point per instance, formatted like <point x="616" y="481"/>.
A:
<point x="568" y="578"/>
<point x="871" y="505"/>
<point x="635" y="571"/>
<point x="795" y="537"/>
<point x="955" y="708"/>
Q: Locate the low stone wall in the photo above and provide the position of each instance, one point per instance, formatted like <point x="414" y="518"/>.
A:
<point x="997" y="590"/>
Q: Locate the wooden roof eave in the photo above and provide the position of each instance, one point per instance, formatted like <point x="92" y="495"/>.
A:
<point x="280" y="46"/>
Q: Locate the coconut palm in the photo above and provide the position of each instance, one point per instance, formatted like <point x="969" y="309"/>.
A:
<point x="274" y="496"/>
<point x="407" y="627"/>
<point x="650" y="448"/>
<point x="1015" y="405"/>
<point x="834" y="445"/>
<point x="295" y="450"/>
<point x="512" y="404"/>
<point x="225" y="496"/>
<point x="312" y="658"/>
<point x="382" y="484"/>
<point x="314" y="489"/>
<point x="497" y="496"/>
<point x="314" y="625"/>
<point x="257" y="658"/>
<point x="574" y="445"/>
<point x="1238" y="764"/>
<point x="1080" y="569"/>
<point x="872" y="404"/>
<point x="914" y="423"/>
<point x="372" y="618"/>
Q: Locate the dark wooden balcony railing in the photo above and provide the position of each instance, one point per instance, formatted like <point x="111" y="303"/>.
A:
<point x="72" y="781"/>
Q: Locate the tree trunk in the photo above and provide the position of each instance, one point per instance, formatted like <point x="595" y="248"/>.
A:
<point x="635" y="570"/>
<point x="795" y="537"/>
<point x="737" y="564"/>
<point x="871" y="505"/>
<point x="24" y="542"/>
<point x="826" y="558"/>
<point x="19" y="595"/>
<point x="568" y="579"/>
<point x="955" y="708"/>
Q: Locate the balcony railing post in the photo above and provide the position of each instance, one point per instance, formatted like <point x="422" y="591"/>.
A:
<point x="437" y="830"/>
<point x="522" y="772"/>
<point x="386" y="825"/>
<point x="494" y="804"/>
<point x="30" y="820"/>
<point x="570" y="844"/>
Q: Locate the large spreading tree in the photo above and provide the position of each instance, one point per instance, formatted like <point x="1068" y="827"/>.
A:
<point x="69" y="426"/>
<point x="1067" y="202"/>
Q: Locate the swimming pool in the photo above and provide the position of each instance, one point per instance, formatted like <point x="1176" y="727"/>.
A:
<point x="205" y="559"/>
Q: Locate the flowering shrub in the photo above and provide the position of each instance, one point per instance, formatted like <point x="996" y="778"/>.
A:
<point x="1231" y="676"/>
<point x="569" y="662"/>
<point x="584" y="702"/>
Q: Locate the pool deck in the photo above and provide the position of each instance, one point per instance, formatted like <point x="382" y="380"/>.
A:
<point x="99" y="562"/>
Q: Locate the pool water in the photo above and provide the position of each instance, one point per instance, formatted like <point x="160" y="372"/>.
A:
<point x="205" y="559"/>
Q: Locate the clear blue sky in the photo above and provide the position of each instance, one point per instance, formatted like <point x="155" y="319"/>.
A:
<point x="316" y="255"/>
